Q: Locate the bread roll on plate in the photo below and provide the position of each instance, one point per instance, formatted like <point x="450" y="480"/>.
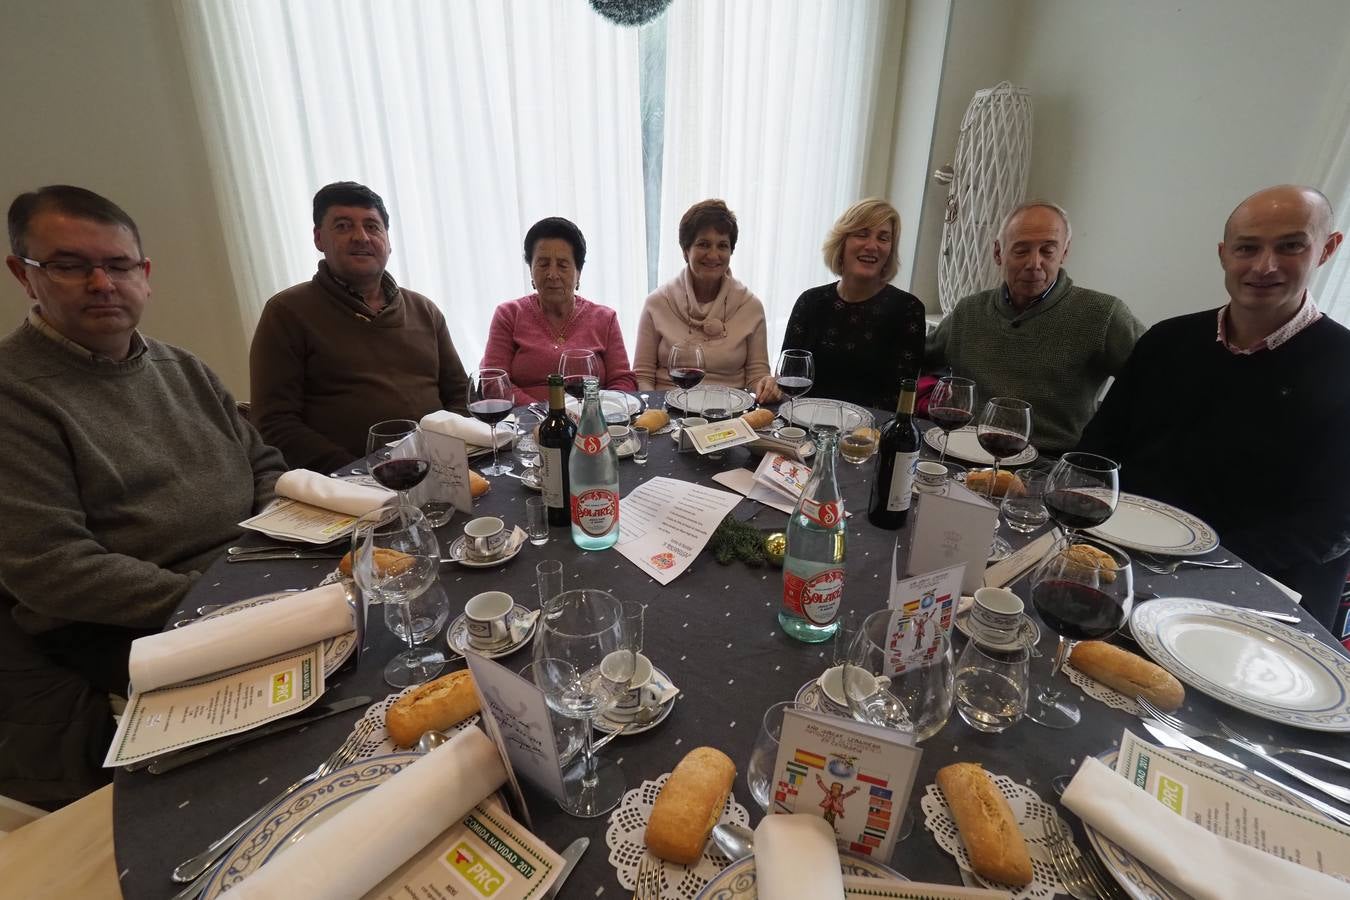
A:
<point x="478" y="485"/>
<point x="1128" y="673"/>
<point x="433" y="706"/>
<point x="387" y="560"/>
<point x="653" y="420"/>
<point x="995" y="844"/>
<point x="977" y="480"/>
<point x="689" y="805"/>
<point x="758" y="419"/>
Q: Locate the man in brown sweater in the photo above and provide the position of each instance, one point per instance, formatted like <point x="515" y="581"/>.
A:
<point x="349" y="347"/>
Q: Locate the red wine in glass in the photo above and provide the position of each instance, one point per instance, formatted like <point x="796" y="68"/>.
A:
<point x="686" y="376"/>
<point x="949" y="419"/>
<point x="1001" y="444"/>
<point x="490" y="411"/>
<point x="951" y="406"/>
<point x="1082" y="491"/>
<point x="1076" y="509"/>
<point x="1078" y="611"/>
<point x="401" y="474"/>
<point x="793" y="385"/>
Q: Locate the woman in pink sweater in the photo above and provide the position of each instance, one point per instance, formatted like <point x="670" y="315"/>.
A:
<point x="529" y="334"/>
<point x="704" y="304"/>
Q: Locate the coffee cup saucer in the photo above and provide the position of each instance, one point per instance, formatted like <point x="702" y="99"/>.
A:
<point x="605" y="723"/>
<point x="815" y="699"/>
<point x="458" y="552"/>
<point x="1029" y="633"/>
<point x="520" y="622"/>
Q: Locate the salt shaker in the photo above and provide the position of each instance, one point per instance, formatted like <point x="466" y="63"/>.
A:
<point x="994" y="669"/>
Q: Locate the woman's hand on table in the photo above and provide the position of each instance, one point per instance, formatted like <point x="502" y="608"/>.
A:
<point x="766" y="390"/>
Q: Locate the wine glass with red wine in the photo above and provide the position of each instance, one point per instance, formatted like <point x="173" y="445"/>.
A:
<point x="1082" y="491"/>
<point x="1004" y="431"/>
<point x="951" y="406"/>
<point x="1081" y="594"/>
<point x="795" y="374"/>
<point x="397" y="460"/>
<point x="575" y="366"/>
<point x="491" y="398"/>
<point x="686" y="369"/>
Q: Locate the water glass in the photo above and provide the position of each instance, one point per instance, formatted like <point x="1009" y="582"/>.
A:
<point x="548" y="576"/>
<point x="991" y="685"/>
<point x="760" y="774"/>
<point x="527" y="446"/>
<point x="566" y="732"/>
<point x="536" y="521"/>
<point x="1027" y="513"/>
<point x="641" y="441"/>
<point x="911" y="693"/>
<point x="428" y="611"/>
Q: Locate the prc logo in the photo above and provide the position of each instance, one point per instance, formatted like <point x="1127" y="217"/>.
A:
<point x="663" y="561"/>
<point x="482" y="876"/>
<point x="283" y="687"/>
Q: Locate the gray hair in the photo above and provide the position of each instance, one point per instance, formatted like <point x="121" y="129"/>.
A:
<point x="1033" y="204"/>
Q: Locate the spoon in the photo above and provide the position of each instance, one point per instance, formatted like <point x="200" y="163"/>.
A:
<point x="431" y="740"/>
<point x="735" y="841"/>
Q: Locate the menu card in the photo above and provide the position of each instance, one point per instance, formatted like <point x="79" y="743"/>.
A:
<point x="522" y="721"/>
<point x="784" y="475"/>
<point x="857" y="887"/>
<point x="448" y="479"/>
<point x="1006" y="571"/>
<point x="923" y="608"/>
<point x="950" y="528"/>
<point x="180" y="715"/>
<point x="742" y="481"/>
<point x="715" y="436"/>
<point x="666" y="522"/>
<point x="857" y="777"/>
<point x="291" y="520"/>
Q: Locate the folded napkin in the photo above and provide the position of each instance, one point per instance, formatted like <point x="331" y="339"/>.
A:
<point x="214" y="645"/>
<point x="1202" y="864"/>
<point x="357" y="848"/>
<point x="470" y="431"/>
<point x="332" y="493"/>
<point x="796" y="856"/>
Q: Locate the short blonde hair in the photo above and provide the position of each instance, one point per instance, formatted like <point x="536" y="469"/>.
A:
<point x="869" y="213"/>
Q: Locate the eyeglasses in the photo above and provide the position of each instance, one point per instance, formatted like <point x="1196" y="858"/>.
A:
<point x="78" y="272"/>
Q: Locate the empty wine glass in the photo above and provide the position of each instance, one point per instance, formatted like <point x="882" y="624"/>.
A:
<point x="795" y="374"/>
<point x="1082" y="491"/>
<point x="399" y="473"/>
<point x="1004" y="431"/>
<point x="951" y="405"/>
<point x="686" y="369"/>
<point x="575" y="366"/>
<point x="491" y="397"/>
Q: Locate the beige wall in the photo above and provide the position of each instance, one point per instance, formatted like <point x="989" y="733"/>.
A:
<point x="97" y="94"/>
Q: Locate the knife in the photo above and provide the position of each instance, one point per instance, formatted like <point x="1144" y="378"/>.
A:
<point x="570" y="857"/>
<point x="284" y="554"/>
<point x="172" y="761"/>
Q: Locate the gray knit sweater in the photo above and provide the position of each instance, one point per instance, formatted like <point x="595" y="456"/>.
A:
<point x="1055" y="355"/>
<point x="121" y="480"/>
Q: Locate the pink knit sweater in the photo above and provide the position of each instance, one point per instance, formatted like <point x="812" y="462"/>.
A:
<point x="519" y="342"/>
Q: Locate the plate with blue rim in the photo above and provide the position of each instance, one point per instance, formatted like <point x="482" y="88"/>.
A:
<point x="737" y="881"/>
<point x="1142" y="523"/>
<point x="692" y="401"/>
<point x="1247" y="661"/>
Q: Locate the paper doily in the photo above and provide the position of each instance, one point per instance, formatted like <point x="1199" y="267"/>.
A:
<point x="378" y="742"/>
<point x="1029" y="811"/>
<point x="1100" y="692"/>
<point x="628" y="827"/>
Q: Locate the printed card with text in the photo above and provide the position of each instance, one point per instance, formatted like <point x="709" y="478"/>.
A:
<point x="951" y="528"/>
<point x="923" y="607"/>
<point x="448" y="480"/>
<point x="856" y="777"/>
<point x="783" y="474"/>
<point x="519" y="721"/>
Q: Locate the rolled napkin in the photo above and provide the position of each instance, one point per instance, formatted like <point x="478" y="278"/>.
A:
<point x="356" y="849"/>
<point x="1204" y="865"/>
<point x="332" y="493"/>
<point x="470" y="431"/>
<point x="796" y="856"/>
<point x="214" y="645"/>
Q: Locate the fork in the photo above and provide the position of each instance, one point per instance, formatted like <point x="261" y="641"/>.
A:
<point x="647" y="883"/>
<point x="1068" y="865"/>
<point x="1267" y="753"/>
<point x="193" y="868"/>
<point x="1159" y="566"/>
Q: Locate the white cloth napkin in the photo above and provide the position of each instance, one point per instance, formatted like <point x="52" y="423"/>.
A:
<point x="214" y="645"/>
<point x="796" y="856"/>
<point x="470" y="431"/>
<point x="332" y="493"/>
<point x="1204" y="865"/>
<point x="356" y="849"/>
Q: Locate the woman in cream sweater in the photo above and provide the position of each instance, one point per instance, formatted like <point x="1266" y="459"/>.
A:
<point x="705" y="304"/>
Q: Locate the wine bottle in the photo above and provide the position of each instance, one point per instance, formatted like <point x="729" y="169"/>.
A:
<point x="897" y="452"/>
<point x="556" y="434"/>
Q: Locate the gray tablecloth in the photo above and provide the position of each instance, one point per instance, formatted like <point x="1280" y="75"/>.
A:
<point x="713" y="629"/>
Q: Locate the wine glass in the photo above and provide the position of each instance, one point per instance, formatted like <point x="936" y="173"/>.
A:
<point x="1082" y="491"/>
<point x="1004" y="431"/>
<point x="951" y="405"/>
<point x="491" y="398"/>
<point x="1082" y="595"/>
<point x="795" y="374"/>
<point x="686" y="369"/>
<point x="401" y="581"/>
<point x="581" y="631"/>
<point x="575" y="366"/>
<point x="400" y="474"/>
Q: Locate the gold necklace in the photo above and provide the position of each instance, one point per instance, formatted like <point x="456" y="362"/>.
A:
<point x="559" y="335"/>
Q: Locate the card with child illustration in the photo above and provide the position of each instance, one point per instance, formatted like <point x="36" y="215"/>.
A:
<point x="856" y="777"/>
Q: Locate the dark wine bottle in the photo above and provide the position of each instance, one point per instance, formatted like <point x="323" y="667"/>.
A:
<point x="897" y="452"/>
<point x="556" y="433"/>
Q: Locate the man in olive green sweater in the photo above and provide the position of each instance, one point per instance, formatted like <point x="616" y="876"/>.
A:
<point x="127" y="470"/>
<point x="1038" y="336"/>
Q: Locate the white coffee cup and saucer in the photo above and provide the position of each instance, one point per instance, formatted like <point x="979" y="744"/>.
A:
<point x="651" y="692"/>
<point x="492" y="625"/>
<point x="486" y="541"/>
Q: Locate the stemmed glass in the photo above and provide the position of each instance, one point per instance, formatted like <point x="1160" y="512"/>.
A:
<point x="579" y="631"/>
<point x="491" y="398"/>
<point x="575" y="366"/>
<point x="951" y="406"/>
<point x="795" y="374"/>
<point x="1082" y="491"/>
<point x="1004" y="431"/>
<point x="1081" y="595"/>
<point x="402" y="579"/>
<point x="686" y="368"/>
<point x="406" y="472"/>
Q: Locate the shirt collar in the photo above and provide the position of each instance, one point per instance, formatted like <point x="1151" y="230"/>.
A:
<point x="1007" y="297"/>
<point x="45" y="328"/>
<point x="1307" y="314"/>
<point x="388" y="287"/>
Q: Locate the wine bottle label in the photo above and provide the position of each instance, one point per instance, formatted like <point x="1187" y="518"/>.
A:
<point x="827" y="514"/>
<point x="592" y="444"/>
<point x="902" y="482"/>
<point x="596" y="511"/>
<point x="552" y="477"/>
<point x="816" y="596"/>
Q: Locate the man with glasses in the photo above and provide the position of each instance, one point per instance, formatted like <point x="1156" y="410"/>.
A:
<point x="349" y="348"/>
<point x="127" y="469"/>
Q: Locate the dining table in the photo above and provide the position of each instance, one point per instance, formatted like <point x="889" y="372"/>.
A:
<point x="714" y="631"/>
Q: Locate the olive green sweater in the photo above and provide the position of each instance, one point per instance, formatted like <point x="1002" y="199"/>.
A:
<point x="121" y="482"/>
<point x="1055" y="355"/>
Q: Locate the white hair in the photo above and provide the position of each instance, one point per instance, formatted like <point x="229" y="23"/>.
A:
<point x="1033" y="204"/>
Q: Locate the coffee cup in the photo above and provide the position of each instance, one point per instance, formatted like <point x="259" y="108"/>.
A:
<point x="630" y="701"/>
<point x="618" y="436"/>
<point x="997" y="616"/>
<point x="484" y="538"/>
<point x="930" y="477"/>
<point x="792" y="434"/>
<point x="485" y="614"/>
<point x="686" y="442"/>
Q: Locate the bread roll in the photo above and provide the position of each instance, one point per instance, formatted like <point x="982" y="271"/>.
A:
<point x="433" y="706"/>
<point x="989" y="831"/>
<point x="758" y="418"/>
<point x="977" y="480"/>
<point x="1128" y="673"/>
<point x="387" y="561"/>
<point x="1093" y="558"/>
<point x="653" y="420"/>
<point x="478" y="485"/>
<point x="689" y="805"/>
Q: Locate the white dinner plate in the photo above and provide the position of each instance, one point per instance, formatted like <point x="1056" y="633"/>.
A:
<point x="965" y="446"/>
<point x="1248" y="661"/>
<point x="615" y="406"/>
<point x="697" y="398"/>
<point x="812" y="411"/>
<point x="335" y="649"/>
<point x="1156" y="527"/>
<point x="737" y="881"/>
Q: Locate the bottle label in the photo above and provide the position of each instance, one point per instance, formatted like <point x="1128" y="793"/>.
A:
<point x="815" y="597"/>
<point x="596" y="511"/>
<point x="592" y="444"/>
<point x="827" y="514"/>
<point x="552" y="479"/>
<point x="902" y="482"/>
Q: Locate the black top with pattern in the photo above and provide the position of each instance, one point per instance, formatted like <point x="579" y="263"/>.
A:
<point x="862" y="350"/>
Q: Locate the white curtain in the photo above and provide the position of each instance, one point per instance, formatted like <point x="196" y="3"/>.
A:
<point x="471" y="119"/>
<point x="768" y="107"/>
<point x="1332" y="284"/>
